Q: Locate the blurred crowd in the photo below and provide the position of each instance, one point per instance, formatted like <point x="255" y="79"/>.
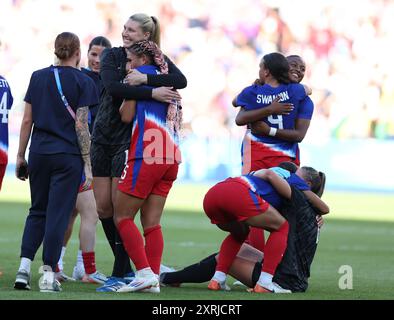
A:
<point x="218" y="44"/>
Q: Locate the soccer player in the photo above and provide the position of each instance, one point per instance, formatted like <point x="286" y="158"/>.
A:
<point x="95" y="49"/>
<point x="151" y="169"/>
<point x="6" y="100"/>
<point x="260" y="149"/>
<point x="264" y="151"/>
<point x="85" y="268"/>
<point x="256" y="191"/>
<point x="296" y="133"/>
<point x="111" y="137"/>
<point x="294" y="270"/>
<point x="57" y="104"/>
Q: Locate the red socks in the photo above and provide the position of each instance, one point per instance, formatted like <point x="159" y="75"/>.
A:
<point x="142" y="257"/>
<point x="256" y="238"/>
<point x="89" y="262"/>
<point x="275" y="248"/>
<point x="228" y="251"/>
<point x="154" y="245"/>
<point x="133" y="243"/>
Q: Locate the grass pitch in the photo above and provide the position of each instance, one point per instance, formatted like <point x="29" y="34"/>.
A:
<point x="358" y="232"/>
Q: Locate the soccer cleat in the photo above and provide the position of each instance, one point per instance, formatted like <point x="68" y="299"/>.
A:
<point x="215" y="285"/>
<point x="164" y="269"/>
<point x="128" y="277"/>
<point x="96" y="277"/>
<point x="62" y="277"/>
<point x="152" y="289"/>
<point x="48" y="283"/>
<point x="238" y="284"/>
<point x="78" y="272"/>
<point x="155" y="288"/>
<point x="269" y="288"/>
<point x="143" y="280"/>
<point x="112" y="285"/>
<point x="22" y="281"/>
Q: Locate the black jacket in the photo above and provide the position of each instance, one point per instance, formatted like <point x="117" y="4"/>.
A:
<point x="294" y="269"/>
<point x="108" y="128"/>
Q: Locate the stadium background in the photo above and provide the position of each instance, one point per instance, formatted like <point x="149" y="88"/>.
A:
<point x="218" y="45"/>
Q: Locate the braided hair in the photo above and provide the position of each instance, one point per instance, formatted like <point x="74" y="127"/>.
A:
<point x="149" y="48"/>
<point x="152" y="50"/>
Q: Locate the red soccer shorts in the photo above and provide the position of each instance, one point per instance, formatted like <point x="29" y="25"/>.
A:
<point x="256" y="156"/>
<point x="232" y="200"/>
<point x="141" y="178"/>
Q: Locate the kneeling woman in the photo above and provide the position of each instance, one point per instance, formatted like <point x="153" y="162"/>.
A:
<point x="253" y="200"/>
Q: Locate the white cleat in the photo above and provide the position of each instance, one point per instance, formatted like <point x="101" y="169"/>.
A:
<point x="96" y="277"/>
<point x="269" y="288"/>
<point x="153" y="289"/>
<point x="47" y="282"/>
<point x="238" y="284"/>
<point x="62" y="277"/>
<point x="143" y="280"/>
<point x="164" y="269"/>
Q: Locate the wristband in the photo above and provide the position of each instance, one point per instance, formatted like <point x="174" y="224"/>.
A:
<point x="272" y="132"/>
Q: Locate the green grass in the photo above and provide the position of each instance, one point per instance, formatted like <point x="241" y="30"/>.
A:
<point x="358" y="232"/>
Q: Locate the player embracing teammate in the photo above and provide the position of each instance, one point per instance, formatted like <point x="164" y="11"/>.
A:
<point x="111" y="137"/>
<point x="151" y="169"/>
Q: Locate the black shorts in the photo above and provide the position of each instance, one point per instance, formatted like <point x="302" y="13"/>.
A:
<point x="107" y="160"/>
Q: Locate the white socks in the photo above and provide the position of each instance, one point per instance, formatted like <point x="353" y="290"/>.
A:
<point x="265" y="278"/>
<point x="25" y="265"/>
<point x="220" y="276"/>
<point x="80" y="259"/>
<point x="60" y="263"/>
<point x="146" y="272"/>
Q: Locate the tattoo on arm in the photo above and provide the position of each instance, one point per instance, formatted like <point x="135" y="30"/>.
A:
<point x="82" y="130"/>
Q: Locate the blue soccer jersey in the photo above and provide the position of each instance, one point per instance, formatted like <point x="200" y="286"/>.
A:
<point x="150" y="136"/>
<point x="54" y="127"/>
<point x="265" y="190"/>
<point x="6" y="101"/>
<point x="257" y="96"/>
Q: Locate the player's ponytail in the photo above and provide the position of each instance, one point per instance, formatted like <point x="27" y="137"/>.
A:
<point x="278" y="66"/>
<point x="66" y="44"/>
<point x="152" y="51"/>
<point x="156" y="33"/>
<point x="148" y="24"/>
